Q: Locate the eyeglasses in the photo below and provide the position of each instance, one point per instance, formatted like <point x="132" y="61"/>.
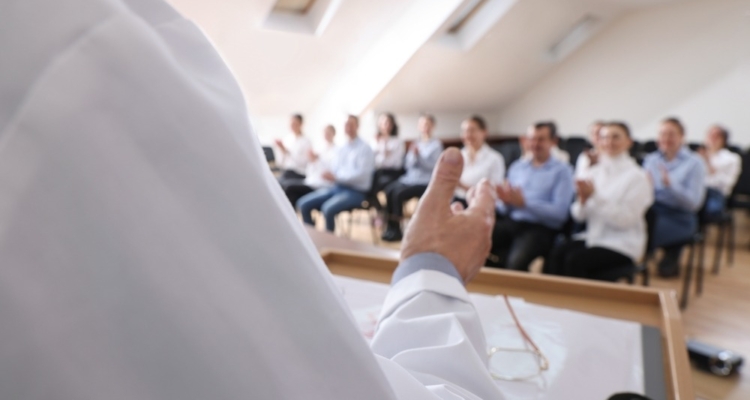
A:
<point x="508" y="364"/>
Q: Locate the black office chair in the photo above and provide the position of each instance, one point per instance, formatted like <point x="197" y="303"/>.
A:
<point x="628" y="272"/>
<point x="649" y="147"/>
<point x="511" y="151"/>
<point x="575" y="146"/>
<point x="697" y="240"/>
<point x="738" y="200"/>
<point x="695" y="146"/>
<point x="270" y="157"/>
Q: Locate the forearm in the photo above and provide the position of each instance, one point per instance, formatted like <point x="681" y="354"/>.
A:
<point x="429" y="322"/>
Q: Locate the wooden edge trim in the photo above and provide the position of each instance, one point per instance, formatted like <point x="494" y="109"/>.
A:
<point x="680" y="374"/>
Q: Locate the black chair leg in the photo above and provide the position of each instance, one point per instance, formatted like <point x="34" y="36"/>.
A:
<point x="721" y="232"/>
<point x="646" y="275"/>
<point x="730" y="252"/>
<point x="688" y="278"/>
<point x="373" y="228"/>
<point x="701" y="266"/>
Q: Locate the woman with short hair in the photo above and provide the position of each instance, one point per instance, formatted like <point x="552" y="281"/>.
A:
<point x="612" y="202"/>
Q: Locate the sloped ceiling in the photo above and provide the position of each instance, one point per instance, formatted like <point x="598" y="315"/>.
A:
<point x="284" y="72"/>
<point x="505" y="63"/>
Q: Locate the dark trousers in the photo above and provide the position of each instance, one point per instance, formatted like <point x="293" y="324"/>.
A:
<point x="295" y="190"/>
<point x="672" y="228"/>
<point x="288" y="177"/>
<point x="397" y="194"/>
<point x="576" y="260"/>
<point x="384" y="177"/>
<point x="515" y="244"/>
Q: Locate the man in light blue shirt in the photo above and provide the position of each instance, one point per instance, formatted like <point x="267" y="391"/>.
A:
<point x="679" y="177"/>
<point x="351" y="173"/>
<point x="533" y="203"/>
<point x="420" y="161"/>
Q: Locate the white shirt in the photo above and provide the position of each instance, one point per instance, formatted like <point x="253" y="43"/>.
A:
<point x="487" y="163"/>
<point x="296" y="158"/>
<point x="315" y="170"/>
<point x="727" y="166"/>
<point x="147" y="251"/>
<point x="615" y="214"/>
<point x="583" y="166"/>
<point x="389" y="153"/>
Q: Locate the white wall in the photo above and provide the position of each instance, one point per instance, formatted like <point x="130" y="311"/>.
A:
<point x="689" y="59"/>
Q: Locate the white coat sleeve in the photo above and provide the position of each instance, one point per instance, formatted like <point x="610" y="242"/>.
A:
<point x="430" y="332"/>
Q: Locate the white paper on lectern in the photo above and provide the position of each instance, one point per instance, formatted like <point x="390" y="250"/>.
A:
<point x="590" y="357"/>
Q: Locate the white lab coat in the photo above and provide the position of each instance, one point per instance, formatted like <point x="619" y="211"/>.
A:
<point x="146" y="252"/>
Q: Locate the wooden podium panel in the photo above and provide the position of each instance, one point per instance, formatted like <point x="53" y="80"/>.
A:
<point x="646" y="306"/>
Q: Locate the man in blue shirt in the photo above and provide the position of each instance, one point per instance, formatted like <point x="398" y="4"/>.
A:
<point x="533" y="203"/>
<point x="420" y="161"/>
<point x="679" y="177"/>
<point x="351" y="173"/>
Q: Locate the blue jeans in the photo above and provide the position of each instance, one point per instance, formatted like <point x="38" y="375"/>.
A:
<point x="715" y="204"/>
<point x="330" y="201"/>
<point x="673" y="226"/>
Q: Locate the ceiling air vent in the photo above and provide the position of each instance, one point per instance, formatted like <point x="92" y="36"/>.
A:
<point x="471" y="22"/>
<point x="301" y="16"/>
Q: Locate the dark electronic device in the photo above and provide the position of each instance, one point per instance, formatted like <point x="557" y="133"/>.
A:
<point x="713" y="359"/>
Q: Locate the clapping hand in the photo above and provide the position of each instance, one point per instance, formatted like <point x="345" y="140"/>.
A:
<point x="280" y="145"/>
<point x="463" y="236"/>
<point x="593" y="157"/>
<point x="510" y="195"/>
<point x="665" y="176"/>
<point x="311" y="156"/>
<point x="328" y="175"/>
<point x="585" y="189"/>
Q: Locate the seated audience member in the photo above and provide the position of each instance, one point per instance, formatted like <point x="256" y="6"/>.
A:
<point x="723" y="167"/>
<point x="420" y="161"/>
<point x="556" y="152"/>
<point x="480" y="160"/>
<point x="293" y="152"/>
<point x="679" y="178"/>
<point x="350" y="176"/>
<point x="532" y="204"/>
<point x="318" y="164"/>
<point x="389" y="153"/>
<point x="613" y="202"/>
<point x="589" y="158"/>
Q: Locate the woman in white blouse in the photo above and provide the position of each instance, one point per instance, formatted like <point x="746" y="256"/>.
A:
<point x="480" y="161"/>
<point x="613" y="203"/>
<point x="389" y="153"/>
<point x="723" y="167"/>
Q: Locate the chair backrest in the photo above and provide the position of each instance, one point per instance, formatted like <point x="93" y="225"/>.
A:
<point x="695" y="146"/>
<point x="742" y="187"/>
<point x="734" y="149"/>
<point x="636" y="148"/>
<point x="268" y="151"/>
<point x="649" y="147"/>
<point x="575" y="146"/>
<point x="637" y="152"/>
<point x="511" y="151"/>
<point x="650" y="227"/>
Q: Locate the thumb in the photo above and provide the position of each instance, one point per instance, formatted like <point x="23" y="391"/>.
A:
<point x="447" y="173"/>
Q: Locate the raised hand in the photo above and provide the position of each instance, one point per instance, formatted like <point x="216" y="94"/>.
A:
<point x="463" y="236"/>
